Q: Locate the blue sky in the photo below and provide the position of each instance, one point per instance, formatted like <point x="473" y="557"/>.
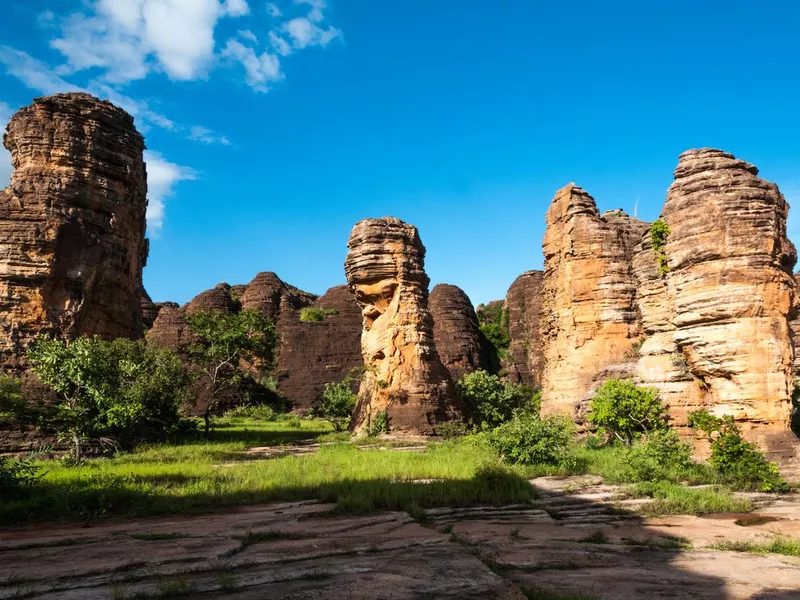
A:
<point x="273" y="127"/>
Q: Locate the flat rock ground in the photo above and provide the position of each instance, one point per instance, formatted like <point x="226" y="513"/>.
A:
<point x="574" y="538"/>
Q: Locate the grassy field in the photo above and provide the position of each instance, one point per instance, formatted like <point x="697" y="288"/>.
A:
<point x="201" y="475"/>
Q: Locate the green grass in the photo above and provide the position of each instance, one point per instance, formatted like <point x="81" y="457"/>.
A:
<point x="674" y="499"/>
<point x="554" y="594"/>
<point x="778" y="545"/>
<point x="208" y="475"/>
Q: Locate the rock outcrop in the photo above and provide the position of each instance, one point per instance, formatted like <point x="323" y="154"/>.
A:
<point x="404" y="377"/>
<point x="524" y="361"/>
<point x="217" y="299"/>
<point x="268" y="293"/>
<point x="73" y="221"/>
<point x="732" y="291"/>
<point x="457" y="336"/>
<point x="588" y="312"/>
<point x="315" y="353"/>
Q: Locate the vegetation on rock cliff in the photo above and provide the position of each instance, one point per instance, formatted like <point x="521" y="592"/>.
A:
<point x="316" y="315"/>
<point x="493" y="322"/>
<point x="659" y="232"/>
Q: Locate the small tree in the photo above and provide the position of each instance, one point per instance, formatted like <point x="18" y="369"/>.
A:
<point x="229" y="348"/>
<point x="337" y="401"/>
<point x="527" y="439"/>
<point x="117" y="388"/>
<point x="493" y="401"/>
<point x="626" y="410"/>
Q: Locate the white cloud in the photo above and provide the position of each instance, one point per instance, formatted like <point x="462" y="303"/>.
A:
<point x="6" y="113"/>
<point x="248" y="35"/>
<point x="162" y="176"/>
<point x="236" y="8"/>
<point x="34" y="73"/>
<point x="306" y="31"/>
<point x="273" y="10"/>
<point x="280" y="45"/>
<point x="260" y="70"/>
<point x="206" y="136"/>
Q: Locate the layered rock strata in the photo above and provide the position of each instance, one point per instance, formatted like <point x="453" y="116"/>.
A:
<point x="524" y="361"/>
<point x="73" y="219"/>
<point x="268" y="293"/>
<point x="315" y="353"/>
<point x="404" y="376"/>
<point x="457" y="336"/>
<point x="732" y="291"/>
<point x="588" y="316"/>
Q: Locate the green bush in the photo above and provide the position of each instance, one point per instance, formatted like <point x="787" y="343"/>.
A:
<point x="13" y="406"/>
<point x="626" y="410"/>
<point x="492" y="402"/>
<point x="659" y="232"/>
<point x="527" y="439"/>
<point x="256" y="412"/>
<point x="337" y="402"/>
<point x="15" y="474"/>
<point x="450" y="430"/>
<point x="378" y="425"/>
<point x="739" y="462"/>
<point x="315" y="315"/>
<point x="658" y="456"/>
<point x="121" y="389"/>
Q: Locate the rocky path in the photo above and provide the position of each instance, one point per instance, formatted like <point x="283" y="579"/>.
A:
<point x="576" y="536"/>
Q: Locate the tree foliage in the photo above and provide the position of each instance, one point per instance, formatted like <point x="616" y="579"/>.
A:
<point x="493" y="322"/>
<point x="492" y="401"/>
<point x="626" y="410"/>
<point x="229" y="348"/>
<point x="121" y="389"/>
<point x="659" y="232"/>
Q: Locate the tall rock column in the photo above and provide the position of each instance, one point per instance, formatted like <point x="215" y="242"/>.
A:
<point x="73" y="222"/>
<point x="588" y="312"/>
<point x="404" y="376"/>
<point x="525" y="360"/>
<point x="730" y="270"/>
<point x="459" y="342"/>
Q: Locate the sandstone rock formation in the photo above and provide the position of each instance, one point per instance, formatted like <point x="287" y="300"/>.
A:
<point x="458" y="339"/>
<point x="315" y="353"/>
<point x="730" y="279"/>
<point x="73" y="219"/>
<point x="404" y="377"/>
<point x="588" y="311"/>
<point x="267" y="292"/>
<point x="524" y="360"/>
<point x="218" y="298"/>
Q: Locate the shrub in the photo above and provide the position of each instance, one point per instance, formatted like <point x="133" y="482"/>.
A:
<point x="492" y="401"/>
<point x="626" y="411"/>
<point x="659" y="232"/>
<point x="378" y="424"/>
<point x="256" y="412"/>
<point x="15" y="474"/>
<point x="450" y="430"/>
<point x="120" y="388"/>
<point x="739" y="462"/>
<point x="659" y="456"/>
<point x="528" y="439"/>
<point x="315" y="315"/>
<point x="337" y="402"/>
<point x="13" y="406"/>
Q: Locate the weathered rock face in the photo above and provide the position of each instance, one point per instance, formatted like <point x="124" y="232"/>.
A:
<point x="73" y="219"/>
<point x="588" y="311"/>
<point x="218" y="299"/>
<point x="169" y="329"/>
<point x="266" y="293"/>
<point x="459" y="342"/>
<point x="525" y="357"/>
<point x="404" y="376"/>
<point x="315" y="353"/>
<point x="730" y="275"/>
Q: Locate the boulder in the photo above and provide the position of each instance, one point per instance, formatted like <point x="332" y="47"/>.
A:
<point x="404" y="376"/>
